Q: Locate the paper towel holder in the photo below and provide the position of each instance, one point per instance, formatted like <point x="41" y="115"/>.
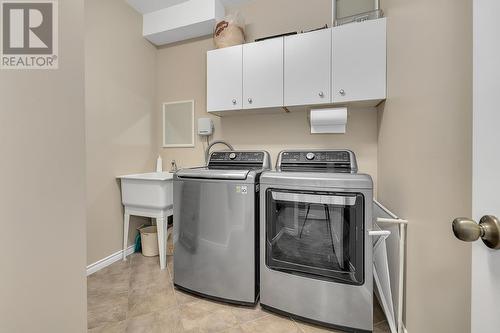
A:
<point x="328" y="120"/>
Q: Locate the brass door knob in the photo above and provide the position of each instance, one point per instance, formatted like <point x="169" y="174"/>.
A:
<point x="488" y="230"/>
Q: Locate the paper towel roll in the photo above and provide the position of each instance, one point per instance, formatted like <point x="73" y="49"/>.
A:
<point x="328" y="120"/>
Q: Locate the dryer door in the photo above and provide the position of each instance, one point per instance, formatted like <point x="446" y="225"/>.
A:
<point x="317" y="234"/>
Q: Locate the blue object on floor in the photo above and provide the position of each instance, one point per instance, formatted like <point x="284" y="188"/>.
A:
<point x="138" y="245"/>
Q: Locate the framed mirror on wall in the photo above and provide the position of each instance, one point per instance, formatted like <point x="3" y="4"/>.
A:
<point x="178" y="124"/>
<point x="347" y="11"/>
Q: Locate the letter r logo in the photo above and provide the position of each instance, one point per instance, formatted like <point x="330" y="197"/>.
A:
<point x="27" y="27"/>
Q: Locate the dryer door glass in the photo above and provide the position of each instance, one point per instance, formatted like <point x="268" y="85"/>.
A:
<point x="317" y="234"/>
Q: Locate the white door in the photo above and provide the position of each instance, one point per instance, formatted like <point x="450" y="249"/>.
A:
<point x="359" y="61"/>
<point x="263" y="74"/>
<point x="224" y="79"/>
<point x="308" y="60"/>
<point x="486" y="161"/>
<point x="486" y="156"/>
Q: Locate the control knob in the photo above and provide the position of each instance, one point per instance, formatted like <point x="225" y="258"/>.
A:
<point x="310" y="156"/>
<point x="232" y="156"/>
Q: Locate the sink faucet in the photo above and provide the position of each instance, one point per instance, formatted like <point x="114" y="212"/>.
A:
<point x="173" y="166"/>
<point x="207" y="151"/>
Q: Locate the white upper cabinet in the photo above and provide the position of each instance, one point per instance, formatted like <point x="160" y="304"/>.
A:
<point x="263" y="74"/>
<point x="342" y="65"/>
<point x="359" y="61"/>
<point x="224" y="79"/>
<point x="308" y="68"/>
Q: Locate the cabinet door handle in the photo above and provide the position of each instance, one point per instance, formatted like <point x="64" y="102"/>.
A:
<point x="250" y="100"/>
<point x="234" y="101"/>
<point x="342" y="92"/>
<point x="321" y="94"/>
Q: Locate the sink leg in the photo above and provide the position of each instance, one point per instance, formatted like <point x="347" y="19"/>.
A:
<point x="161" y="226"/>
<point x="126" y="220"/>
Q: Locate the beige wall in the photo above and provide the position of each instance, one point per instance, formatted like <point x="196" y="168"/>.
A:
<point x="425" y="154"/>
<point x="120" y="116"/>
<point x="42" y="189"/>
<point x="182" y="75"/>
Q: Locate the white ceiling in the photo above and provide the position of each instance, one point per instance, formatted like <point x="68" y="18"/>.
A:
<point x="148" y="6"/>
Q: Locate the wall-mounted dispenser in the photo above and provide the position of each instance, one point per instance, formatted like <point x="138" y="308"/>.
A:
<point x="205" y="126"/>
<point x="332" y="120"/>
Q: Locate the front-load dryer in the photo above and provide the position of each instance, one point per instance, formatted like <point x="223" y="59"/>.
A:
<point x="315" y="252"/>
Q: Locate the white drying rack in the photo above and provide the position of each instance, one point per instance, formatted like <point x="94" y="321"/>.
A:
<point x="389" y="263"/>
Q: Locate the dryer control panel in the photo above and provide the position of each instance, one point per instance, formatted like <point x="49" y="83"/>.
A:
<point x="333" y="160"/>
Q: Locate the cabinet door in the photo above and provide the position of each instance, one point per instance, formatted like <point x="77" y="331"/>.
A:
<point x="224" y="79"/>
<point x="359" y="61"/>
<point x="263" y="74"/>
<point x="308" y="68"/>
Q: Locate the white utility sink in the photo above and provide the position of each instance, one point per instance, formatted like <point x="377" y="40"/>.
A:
<point x="148" y="190"/>
<point x="150" y="195"/>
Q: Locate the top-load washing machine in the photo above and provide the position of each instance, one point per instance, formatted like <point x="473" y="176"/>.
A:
<point x="216" y="223"/>
<point x="315" y="251"/>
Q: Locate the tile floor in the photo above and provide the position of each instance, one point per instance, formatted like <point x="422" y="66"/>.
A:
<point x="135" y="296"/>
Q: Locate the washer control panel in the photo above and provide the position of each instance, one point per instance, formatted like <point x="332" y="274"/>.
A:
<point x="237" y="156"/>
<point x="248" y="159"/>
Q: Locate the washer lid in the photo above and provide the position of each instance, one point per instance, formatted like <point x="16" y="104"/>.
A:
<point x="206" y="173"/>
<point x="230" y="165"/>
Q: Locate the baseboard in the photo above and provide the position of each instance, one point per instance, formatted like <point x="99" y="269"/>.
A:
<point x="105" y="262"/>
